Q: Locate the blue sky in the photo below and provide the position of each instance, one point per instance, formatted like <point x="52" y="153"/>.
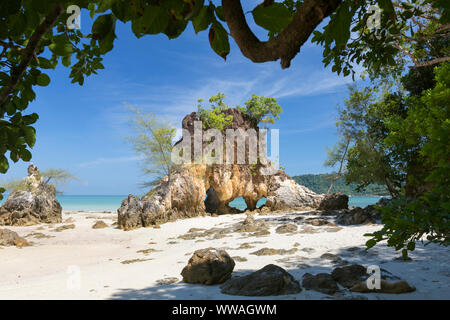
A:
<point x="82" y="128"/>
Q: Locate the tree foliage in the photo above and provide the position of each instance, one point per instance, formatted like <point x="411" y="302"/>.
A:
<point x="258" y="109"/>
<point x="54" y="177"/>
<point x="153" y="144"/>
<point x="34" y="37"/>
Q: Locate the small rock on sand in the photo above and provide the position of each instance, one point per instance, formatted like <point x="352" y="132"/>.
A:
<point x="286" y="228"/>
<point x="99" y="225"/>
<point x="11" y="238"/>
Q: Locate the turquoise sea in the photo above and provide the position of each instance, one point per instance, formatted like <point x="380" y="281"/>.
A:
<point x="111" y="203"/>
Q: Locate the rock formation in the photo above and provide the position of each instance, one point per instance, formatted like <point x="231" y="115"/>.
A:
<point x="201" y="189"/>
<point x="32" y="203"/>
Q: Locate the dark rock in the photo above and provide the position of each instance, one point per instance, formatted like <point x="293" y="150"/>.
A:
<point x="271" y="280"/>
<point x="208" y="266"/>
<point x="356" y="216"/>
<point x="322" y="282"/>
<point x="334" y="201"/>
<point x="350" y="275"/>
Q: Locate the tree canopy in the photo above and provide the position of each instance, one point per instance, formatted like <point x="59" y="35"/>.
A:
<point x="35" y="36"/>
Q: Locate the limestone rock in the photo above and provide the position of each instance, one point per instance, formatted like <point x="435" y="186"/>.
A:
<point x="34" y="203"/>
<point x="334" y="201"/>
<point x="208" y="266"/>
<point x="183" y="195"/>
<point x="322" y="282"/>
<point x="271" y="280"/>
<point x="11" y="238"/>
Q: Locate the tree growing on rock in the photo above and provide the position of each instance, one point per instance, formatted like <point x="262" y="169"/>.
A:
<point x="153" y="143"/>
<point x="51" y="177"/>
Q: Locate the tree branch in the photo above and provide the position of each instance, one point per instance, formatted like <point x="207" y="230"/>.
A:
<point x="286" y="44"/>
<point x="28" y="53"/>
<point x="430" y="62"/>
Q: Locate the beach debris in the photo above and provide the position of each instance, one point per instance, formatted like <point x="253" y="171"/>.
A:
<point x="63" y="227"/>
<point x="239" y="259"/>
<point x="208" y="266"/>
<point x="286" y="228"/>
<point x="11" y="238"/>
<point x="271" y="280"/>
<point x="322" y="282"/>
<point x="165" y="281"/>
<point x="271" y="251"/>
<point x="38" y="235"/>
<point x="32" y="203"/>
<point x="99" y="225"/>
<point x="134" y="261"/>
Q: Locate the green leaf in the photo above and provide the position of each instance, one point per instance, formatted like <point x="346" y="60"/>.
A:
<point x="154" y="20"/>
<point x="29" y="135"/>
<point x="43" y="80"/>
<point x="66" y="61"/>
<point x="411" y="246"/>
<point x="218" y="39"/>
<point x="4" y="165"/>
<point x="25" y="155"/>
<point x="203" y="19"/>
<point x="274" y="18"/>
<point x="219" y="13"/>
<point x="370" y="243"/>
<point x="102" y="26"/>
<point x="61" y="46"/>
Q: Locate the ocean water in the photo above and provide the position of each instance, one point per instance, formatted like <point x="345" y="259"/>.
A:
<point x="112" y="203"/>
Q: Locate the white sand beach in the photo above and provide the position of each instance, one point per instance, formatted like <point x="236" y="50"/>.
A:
<point x="47" y="269"/>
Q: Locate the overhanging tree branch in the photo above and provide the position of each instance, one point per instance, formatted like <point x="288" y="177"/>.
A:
<point x="28" y="53"/>
<point x="287" y="43"/>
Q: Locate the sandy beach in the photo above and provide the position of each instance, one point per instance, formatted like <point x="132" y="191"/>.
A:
<point x="114" y="264"/>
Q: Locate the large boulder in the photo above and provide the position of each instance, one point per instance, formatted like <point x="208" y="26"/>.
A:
<point x="271" y="280"/>
<point x="357" y="216"/>
<point x="208" y="266"/>
<point x="334" y="201"/>
<point x="202" y="189"/>
<point x="32" y="203"/>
